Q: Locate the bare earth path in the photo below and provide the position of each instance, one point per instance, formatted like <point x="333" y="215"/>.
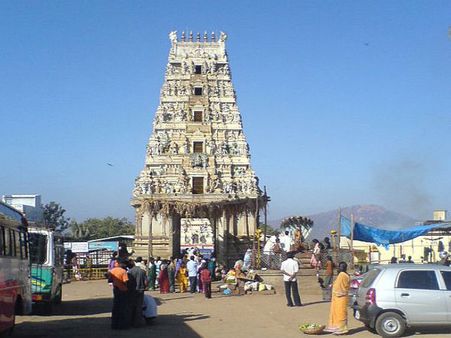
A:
<point x="85" y="312"/>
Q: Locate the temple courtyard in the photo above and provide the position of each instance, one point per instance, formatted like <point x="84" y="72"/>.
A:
<point x="86" y="309"/>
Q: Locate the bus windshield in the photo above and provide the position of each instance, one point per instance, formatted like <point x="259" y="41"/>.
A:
<point x="38" y="248"/>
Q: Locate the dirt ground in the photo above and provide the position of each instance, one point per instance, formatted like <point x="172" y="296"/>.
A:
<point x="85" y="312"/>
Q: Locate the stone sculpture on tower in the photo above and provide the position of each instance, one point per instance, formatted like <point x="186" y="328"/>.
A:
<point x="197" y="188"/>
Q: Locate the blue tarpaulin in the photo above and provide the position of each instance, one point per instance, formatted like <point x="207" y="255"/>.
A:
<point x="371" y="234"/>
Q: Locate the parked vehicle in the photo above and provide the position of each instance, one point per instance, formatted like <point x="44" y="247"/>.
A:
<point x="356" y="280"/>
<point x="15" y="288"/>
<point x="47" y="258"/>
<point x="396" y="296"/>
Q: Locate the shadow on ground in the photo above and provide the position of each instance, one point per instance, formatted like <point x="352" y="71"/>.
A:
<point x="165" y="326"/>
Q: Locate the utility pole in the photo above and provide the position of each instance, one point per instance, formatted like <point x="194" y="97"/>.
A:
<point x="266" y="199"/>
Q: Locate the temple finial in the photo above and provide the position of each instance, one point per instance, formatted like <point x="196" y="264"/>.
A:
<point x="183" y="36"/>
<point x="213" y="37"/>
<point x="198" y="37"/>
<point x="191" y="36"/>
<point x="205" y="36"/>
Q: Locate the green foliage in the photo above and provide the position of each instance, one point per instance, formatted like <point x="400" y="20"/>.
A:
<point x="54" y="216"/>
<point x="94" y="228"/>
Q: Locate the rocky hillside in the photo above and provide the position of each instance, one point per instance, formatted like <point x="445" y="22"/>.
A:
<point x="366" y="214"/>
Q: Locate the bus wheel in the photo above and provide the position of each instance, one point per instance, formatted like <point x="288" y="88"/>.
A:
<point x="59" y="295"/>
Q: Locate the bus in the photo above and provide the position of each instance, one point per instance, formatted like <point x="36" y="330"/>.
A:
<point x="47" y="266"/>
<point x="15" y="286"/>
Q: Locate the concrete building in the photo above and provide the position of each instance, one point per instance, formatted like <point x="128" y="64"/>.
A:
<point x="197" y="187"/>
<point x="30" y="205"/>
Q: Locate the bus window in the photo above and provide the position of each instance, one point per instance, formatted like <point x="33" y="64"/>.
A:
<point x="2" y="241"/>
<point x="38" y="248"/>
<point x="23" y="245"/>
<point x="17" y="252"/>
<point x="7" y="246"/>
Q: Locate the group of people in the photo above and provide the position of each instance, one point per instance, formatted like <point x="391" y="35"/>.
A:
<point x="321" y="259"/>
<point x="338" y="314"/>
<point x="129" y="281"/>
<point x="189" y="271"/>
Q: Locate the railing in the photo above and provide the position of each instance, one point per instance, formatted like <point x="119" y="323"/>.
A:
<point x="84" y="274"/>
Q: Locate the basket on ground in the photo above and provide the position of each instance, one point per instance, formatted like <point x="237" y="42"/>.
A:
<point x="311" y="328"/>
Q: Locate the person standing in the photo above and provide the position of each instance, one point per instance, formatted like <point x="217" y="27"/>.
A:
<point x="140" y="264"/>
<point x="182" y="278"/>
<point x="290" y="268"/>
<point x="192" y="274"/>
<point x="212" y="266"/>
<point x="163" y="278"/>
<point x="138" y="275"/>
<point x="171" y="275"/>
<point x="329" y="276"/>
<point x="338" y="316"/>
<point x="158" y="262"/>
<point x="120" y="314"/>
<point x="205" y="277"/>
<point x="152" y="273"/>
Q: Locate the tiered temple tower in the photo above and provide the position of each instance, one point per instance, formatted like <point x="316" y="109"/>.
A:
<point x="197" y="187"/>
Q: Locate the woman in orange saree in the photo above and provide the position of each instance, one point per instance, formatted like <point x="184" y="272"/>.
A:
<point x="338" y="315"/>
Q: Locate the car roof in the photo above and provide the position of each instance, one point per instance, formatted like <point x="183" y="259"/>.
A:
<point x="412" y="266"/>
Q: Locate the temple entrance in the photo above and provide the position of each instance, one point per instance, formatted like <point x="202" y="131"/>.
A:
<point x="197" y="233"/>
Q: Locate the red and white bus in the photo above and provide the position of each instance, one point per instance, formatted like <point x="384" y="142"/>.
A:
<point x="15" y="283"/>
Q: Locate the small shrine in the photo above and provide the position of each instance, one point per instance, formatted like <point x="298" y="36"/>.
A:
<point x="197" y="188"/>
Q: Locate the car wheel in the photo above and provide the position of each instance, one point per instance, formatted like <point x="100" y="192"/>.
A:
<point x="390" y="324"/>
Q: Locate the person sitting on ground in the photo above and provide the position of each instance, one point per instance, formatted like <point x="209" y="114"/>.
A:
<point x="409" y="260"/>
<point x="394" y="260"/>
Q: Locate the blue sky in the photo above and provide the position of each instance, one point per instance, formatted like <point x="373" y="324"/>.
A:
<point x="343" y="102"/>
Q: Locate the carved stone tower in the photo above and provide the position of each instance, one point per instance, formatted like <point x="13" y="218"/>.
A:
<point x="197" y="187"/>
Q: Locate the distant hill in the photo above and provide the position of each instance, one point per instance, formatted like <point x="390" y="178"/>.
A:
<point x="366" y="214"/>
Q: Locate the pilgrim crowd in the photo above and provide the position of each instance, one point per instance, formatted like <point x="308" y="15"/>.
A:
<point x="193" y="273"/>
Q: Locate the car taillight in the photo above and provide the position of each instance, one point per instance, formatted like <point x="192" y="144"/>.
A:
<point x="371" y="296"/>
<point x="355" y="284"/>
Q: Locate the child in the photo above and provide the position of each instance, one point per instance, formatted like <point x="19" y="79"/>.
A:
<point x="205" y="277"/>
<point x="182" y="278"/>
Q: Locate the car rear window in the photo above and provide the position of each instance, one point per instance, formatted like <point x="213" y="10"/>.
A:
<point x="447" y="277"/>
<point x="370" y="276"/>
<point x="420" y="279"/>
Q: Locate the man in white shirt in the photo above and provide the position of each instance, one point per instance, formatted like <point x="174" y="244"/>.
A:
<point x="191" y="266"/>
<point x="286" y="241"/>
<point x="290" y="268"/>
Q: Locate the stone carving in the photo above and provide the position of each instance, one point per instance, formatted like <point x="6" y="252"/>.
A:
<point x="170" y="161"/>
<point x="199" y="160"/>
<point x="222" y="37"/>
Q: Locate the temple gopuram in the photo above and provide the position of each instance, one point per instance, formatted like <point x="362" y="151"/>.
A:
<point x="197" y="188"/>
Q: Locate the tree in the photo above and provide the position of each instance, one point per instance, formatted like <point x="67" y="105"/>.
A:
<point x="94" y="228"/>
<point x="54" y="217"/>
<point x="80" y="231"/>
